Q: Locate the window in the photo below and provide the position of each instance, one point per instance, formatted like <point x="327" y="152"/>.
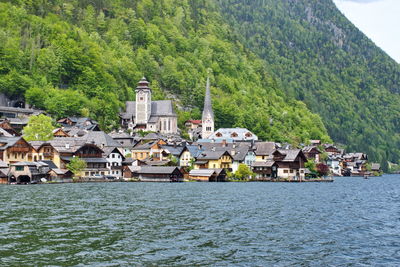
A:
<point x="215" y="166"/>
<point x="291" y="171"/>
<point x="285" y="171"/>
<point x="113" y="156"/>
<point x="19" y="168"/>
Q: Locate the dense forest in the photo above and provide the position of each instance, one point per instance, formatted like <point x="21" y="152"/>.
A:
<point x="270" y="63"/>
<point x="86" y="57"/>
<point x="320" y="58"/>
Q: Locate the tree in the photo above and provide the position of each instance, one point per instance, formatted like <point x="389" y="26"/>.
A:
<point x="243" y="172"/>
<point x="322" y="169"/>
<point x="39" y="128"/>
<point x="76" y="165"/>
<point x="310" y="164"/>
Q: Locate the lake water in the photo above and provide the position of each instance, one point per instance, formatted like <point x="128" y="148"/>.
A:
<point x="352" y="221"/>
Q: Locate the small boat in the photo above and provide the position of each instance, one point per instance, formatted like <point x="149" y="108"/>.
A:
<point x="365" y="176"/>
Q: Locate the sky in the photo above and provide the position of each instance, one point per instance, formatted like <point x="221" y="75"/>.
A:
<point x="378" y="19"/>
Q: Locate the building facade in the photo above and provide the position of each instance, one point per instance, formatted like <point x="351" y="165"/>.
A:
<point x="147" y="115"/>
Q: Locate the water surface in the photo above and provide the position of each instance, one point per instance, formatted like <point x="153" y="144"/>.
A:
<point x="351" y="222"/>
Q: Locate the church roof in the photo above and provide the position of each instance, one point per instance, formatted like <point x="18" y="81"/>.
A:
<point x="159" y="108"/>
<point x="207" y="102"/>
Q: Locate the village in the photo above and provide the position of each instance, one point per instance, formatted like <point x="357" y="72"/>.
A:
<point x="149" y="147"/>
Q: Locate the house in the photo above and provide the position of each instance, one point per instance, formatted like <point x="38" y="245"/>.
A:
<point x="331" y="149"/>
<point x="15" y="149"/>
<point x="24" y="172"/>
<point x="149" y="150"/>
<point x="126" y="140"/>
<point x="6" y="125"/>
<point x="57" y="175"/>
<point x="59" y="132"/>
<point x="81" y="123"/>
<point x="44" y="150"/>
<point x="193" y="124"/>
<point x="159" y="174"/>
<point x="208" y="175"/>
<point x="212" y="159"/>
<point x="114" y="159"/>
<point x="147" y="115"/>
<point x="235" y="134"/>
<point x="264" y="150"/>
<point x="376" y="167"/>
<point x="334" y="163"/>
<point x="188" y="155"/>
<point x="313" y="153"/>
<point x="265" y="170"/>
<point x="290" y="163"/>
<point x="241" y="155"/>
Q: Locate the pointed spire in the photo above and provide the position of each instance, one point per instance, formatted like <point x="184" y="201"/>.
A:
<point x="207" y="102"/>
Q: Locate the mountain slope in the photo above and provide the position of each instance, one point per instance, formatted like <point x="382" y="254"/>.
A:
<point x="323" y="60"/>
<point x="85" y="57"/>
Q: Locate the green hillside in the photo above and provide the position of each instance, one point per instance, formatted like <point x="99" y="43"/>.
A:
<point x="85" y="57"/>
<point x="320" y="58"/>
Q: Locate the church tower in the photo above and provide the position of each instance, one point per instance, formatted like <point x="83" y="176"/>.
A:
<point x="207" y="118"/>
<point x="143" y="102"/>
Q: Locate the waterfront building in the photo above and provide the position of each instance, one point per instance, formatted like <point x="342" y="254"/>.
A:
<point x="208" y="175"/>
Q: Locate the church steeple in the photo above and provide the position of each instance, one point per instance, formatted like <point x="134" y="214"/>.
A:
<point x="143" y="102"/>
<point x="208" y="114"/>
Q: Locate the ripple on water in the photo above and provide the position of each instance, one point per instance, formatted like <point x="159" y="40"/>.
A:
<point x="349" y="222"/>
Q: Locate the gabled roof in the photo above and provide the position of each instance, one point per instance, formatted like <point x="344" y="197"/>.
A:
<point x="268" y="163"/>
<point x="212" y="155"/>
<point x="308" y="149"/>
<point x="6" y="142"/>
<point x="264" y="148"/>
<point x="291" y="154"/>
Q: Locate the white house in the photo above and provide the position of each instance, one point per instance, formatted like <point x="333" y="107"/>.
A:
<point x="114" y="161"/>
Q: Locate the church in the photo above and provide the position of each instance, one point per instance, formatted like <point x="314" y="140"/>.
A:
<point x="147" y="115"/>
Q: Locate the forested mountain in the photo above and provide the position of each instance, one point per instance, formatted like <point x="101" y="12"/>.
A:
<point x="270" y="63"/>
<point x="320" y="58"/>
<point x="68" y="55"/>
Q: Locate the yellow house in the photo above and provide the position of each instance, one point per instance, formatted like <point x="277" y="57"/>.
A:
<point x="45" y="151"/>
<point x="264" y="150"/>
<point x="149" y="150"/>
<point x="214" y="160"/>
<point x="15" y="149"/>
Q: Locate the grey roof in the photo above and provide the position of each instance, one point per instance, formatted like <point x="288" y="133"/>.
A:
<point x="156" y="162"/>
<point x="160" y="108"/>
<point x="174" y="150"/>
<point x="87" y="160"/>
<point x="290" y="154"/>
<point x="8" y="142"/>
<point x="100" y="138"/>
<point x="268" y="163"/>
<point x="240" y="153"/>
<point x="60" y="171"/>
<point x="156" y="170"/>
<point x="207" y="108"/>
<point x="37" y="144"/>
<point x="264" y="148"/>
<point x="307" y="149"/>
<point x="24" y="163"/>
<point x="375" y="166"/>
<point x="3" y="164"/>
<point x="202" y="172"/>
<point x="229" y="133"/>
<point x="50" y="163"/>
<point x="120" y="135"/>
<point x="5" y="133"/>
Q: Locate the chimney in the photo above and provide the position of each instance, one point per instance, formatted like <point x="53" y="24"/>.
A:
<point x="213" y="149"/>
<point x="67" y="145"/>
<point x="224" y="143"/>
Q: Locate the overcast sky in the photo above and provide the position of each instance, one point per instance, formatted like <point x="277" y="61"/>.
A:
<point x="378" y="19"/>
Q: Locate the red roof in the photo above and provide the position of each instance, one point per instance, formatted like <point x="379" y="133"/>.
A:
<point x="194" y="121"/>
